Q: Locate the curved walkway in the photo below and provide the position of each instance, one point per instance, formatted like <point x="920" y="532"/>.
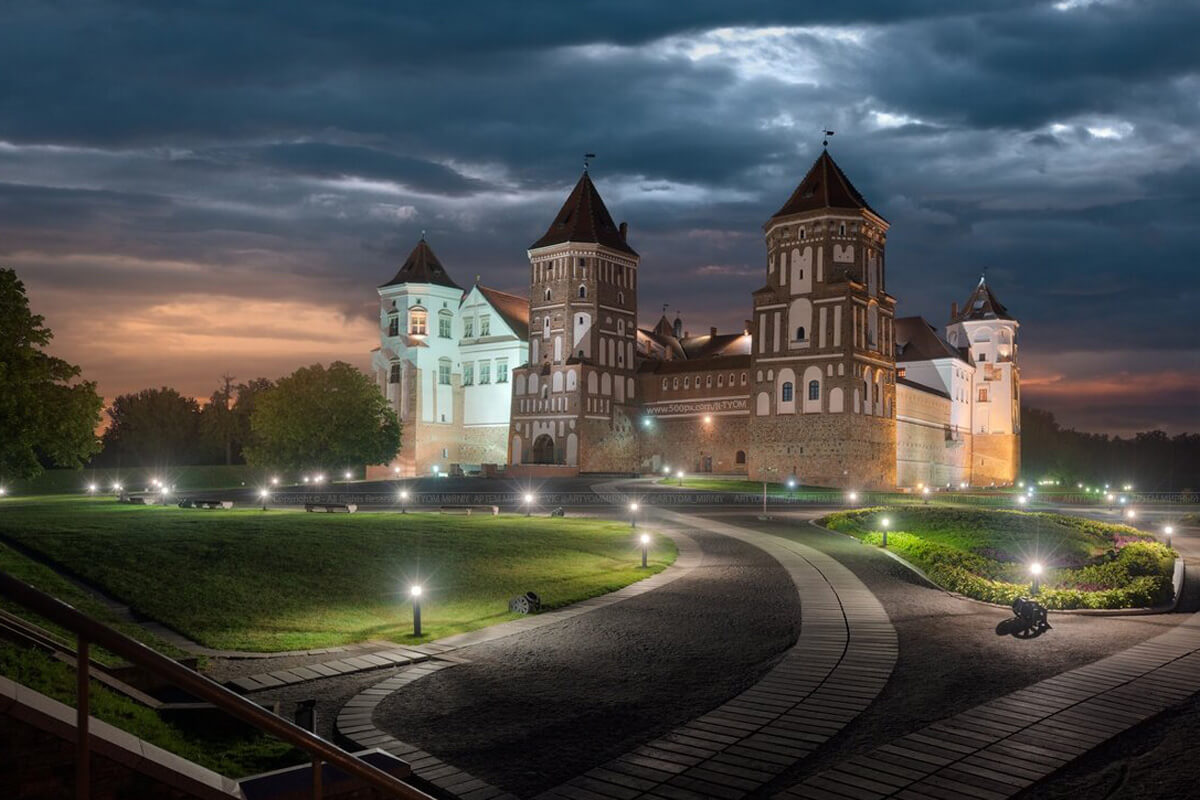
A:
<point x="355" y="721"/>
<point x="844" y="656"/>
<point x="996" y="749"/>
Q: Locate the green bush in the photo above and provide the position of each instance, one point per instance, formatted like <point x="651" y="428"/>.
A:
<point x="972" y="553"/>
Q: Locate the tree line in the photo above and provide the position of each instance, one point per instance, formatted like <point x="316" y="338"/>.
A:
<point x="1151" y="460"/>
<point x="316" y="416"/>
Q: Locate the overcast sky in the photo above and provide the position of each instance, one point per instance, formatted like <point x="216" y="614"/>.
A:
<point x="220" y="189"/>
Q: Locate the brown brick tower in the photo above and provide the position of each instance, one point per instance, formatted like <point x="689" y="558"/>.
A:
<point x="573" y="402"/>
<point x="823" y="370"/>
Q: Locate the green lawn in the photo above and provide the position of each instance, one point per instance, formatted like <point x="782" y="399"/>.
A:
<point x="738" y="486"/>
<point x="283" y="580"/>
<point x="233" y="754"/>
<point x="987" y="554"/>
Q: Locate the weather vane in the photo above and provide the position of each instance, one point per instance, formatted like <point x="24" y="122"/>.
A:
<point x="422" y="234"/>
<point x="586" y="158"/>
<point x="825" y="141"/>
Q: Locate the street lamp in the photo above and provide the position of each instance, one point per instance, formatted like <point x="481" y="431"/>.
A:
<point x="680" y="476"/>
<point x="925" y="494"/>
<point x="275" y="480"/>
<point x="1130" y="513"/>
<point x="1022" y="499"/>
<point x="707" y="419"/>
<point x="3" y="491"/>
<point x="791" y="483"/>
<point x="666" y="470"/>
<point x="645" y="544"/>
<point x="852" y="497"/>
<point x="264" y="495"/>
<point x="633" y="508"/>
<point x="415" y="593"/>
<point x="403" y="501"/>
<point x="1167" y="531"/>
<point x="349" y="474"/>
<point x="116" y="487"/>
<point x="885" y="523"/>
<point x="1035" y="569"/>
<point x="528" y="503"/>
<point x="91" y="488"/>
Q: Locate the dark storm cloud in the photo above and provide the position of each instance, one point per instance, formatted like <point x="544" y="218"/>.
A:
<point x="156" y="154"/>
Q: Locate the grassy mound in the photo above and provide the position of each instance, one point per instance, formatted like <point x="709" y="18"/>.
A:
<point x="280" y="580"/>
<point x="986" y="554"/>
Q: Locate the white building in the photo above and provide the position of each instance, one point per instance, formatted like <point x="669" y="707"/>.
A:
<point x="443" y="363"/>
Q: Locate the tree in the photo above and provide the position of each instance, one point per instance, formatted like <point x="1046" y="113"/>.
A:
<point x="225" y="419"/>
<point x="45" y="417"/>
<point x="154" y="427"/>
<point x="316" y="416"/>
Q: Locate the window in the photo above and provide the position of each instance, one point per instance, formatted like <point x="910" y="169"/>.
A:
<point x="800" y="334"/>
<point x="982" y="357"/>
<point x="743" y="379"/>
<point x="720" y="381"/>
<point x="814" y="390"/>
<point x="485" y="372"/>
<point x="416" y="322"/>
<point x="444" y="326"/>
<point x="485" y="325"/>
<point x="620" y="298"/>
<point x="502" y="371"/>
<point x="394" y="374"/>
<point x="469" y="328"/>
<point x="842" y="229"/>
<point x="582" y="292"/>
<point x="546" y="327"/>
<point x="393" y="326"/>
<point x="687" y="383"/>
<point x="802" y="234"/>
<point x="675" y="383"/>
<point x="664" y="384"/>
<point x="468" y="374"/>
<point x="444" y="372"/>
<point x="740" y="458"/>
<point x="547" y="295"/>
<point x="786" y="392"/>
<point x="707" y="381"/>
<point x="983" y="396"/>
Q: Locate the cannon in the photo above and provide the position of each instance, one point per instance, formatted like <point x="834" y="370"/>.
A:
<point x="1031" y="613"/>
<point x="527" y="603"/>
<point x="558" y="512"/>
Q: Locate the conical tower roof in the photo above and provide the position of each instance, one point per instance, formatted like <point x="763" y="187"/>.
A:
<point x="422" y="266"/>
<point x="825" y="186"/>
<point x="982" y="304"/>
<point x="584" y="218"/>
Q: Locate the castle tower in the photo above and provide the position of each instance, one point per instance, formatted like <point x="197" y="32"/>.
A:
<point x="823" y="365"/>
<point x="985" y="327"/>
<point x="572" y="401"/>
<point x="416" y="364"/>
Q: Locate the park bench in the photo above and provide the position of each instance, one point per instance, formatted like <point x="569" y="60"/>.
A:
<point x="493" y="510"/>
<point x="331" y="508"/>
<point x="192" y="502"/>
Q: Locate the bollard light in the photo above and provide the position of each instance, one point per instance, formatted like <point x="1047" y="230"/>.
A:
<point x="1167" y="531"/>
<point x="528" y="503"/>
<point x="264" y="495"/>
<point x="275" y="481"/>
<point x="925" y="494"/>
<point x="885" y="523"/>
<point x="680" y="476"/>
<point x="320" y="478"/>
<point x="1035" y="569"/>
<point x="633" y="509"/>
<point x="414" y="592"/>
<point x="852" y="497"/>
<point x="403" y="498"/>
<point x="304" y="479"/>
<point x="645" y="545"/>
<point x="91" y="488"/>
<point x="116" y="487"/>
<point x="3" y="491"/>
<point x="666" y="470"/>
<point x="1022" y="500"/>
<point x="1130" y="513"/>
<point x="348" y="474"/>
<point x="791" y="483"/>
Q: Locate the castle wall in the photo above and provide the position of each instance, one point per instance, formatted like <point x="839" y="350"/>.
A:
<point x="691" y="444"/>
<point x="849" y="451"/>
<point x="995" y="458"/>
<point x="609" y="446"/>
<point x="929" y="451"/>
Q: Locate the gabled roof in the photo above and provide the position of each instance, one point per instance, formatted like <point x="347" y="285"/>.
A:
<point x="982" y="304"/>
<point x="584" y="218"/>
<point x="422" y="266"/>
<point x="825" y="186"/>
<point x="917" y="340"/>
<point x="513" y="308"/>
<point x="690" y="348"/>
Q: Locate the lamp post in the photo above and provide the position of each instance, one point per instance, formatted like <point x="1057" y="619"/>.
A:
<point x="680" y="476"/>
<point x="349" y="474"/>
<point x="1022" y="500"/>
<point x="415" y="593"/>
<point x="91" y="488"/>
<point x="528" y="503"/>
<point x="275" y="480"/>
<point x="1130" y="513"/>
<point x="633" y="507"/>
<point x="264" y="495"/>
<point x="885" y="523"/>
<point x="1035" y="569"/>
<point x="852" y="498"/>
<point x="1167" y="531"/>
<point x="403" y="497"/>
<point x="645" y="545"/>
<point x="925" y="494"/>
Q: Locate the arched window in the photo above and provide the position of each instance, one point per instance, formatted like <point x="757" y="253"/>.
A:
<point x="546" y="327"/>
<point x="740" y="458"/>
<point x="720" y="381"/>
<point x="547" y="295"/>
<point x="800" y="334"/>
<point x="814" y="390"/>
<point x="664" y="384"/>
<point x="687" y="382"/>
<point x="786" y="392"/>
<point x="620" y="298"/>
<point x="842" y="229"/>
<point x="582" y="292"/>
<point x="802" y="234"/>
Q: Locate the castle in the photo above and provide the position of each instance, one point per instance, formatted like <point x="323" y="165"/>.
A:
<point x="825" y="384"/>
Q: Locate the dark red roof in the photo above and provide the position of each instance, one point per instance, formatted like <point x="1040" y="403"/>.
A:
<point x="422" y="266"/>
<point x="583" y="218"/>
<point x="982" y="304"/>
<point x="514" y="309"/>
<point x="825" y="186"/>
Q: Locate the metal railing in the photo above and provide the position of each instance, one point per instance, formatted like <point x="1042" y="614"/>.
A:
<point x="89" y="631"/>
